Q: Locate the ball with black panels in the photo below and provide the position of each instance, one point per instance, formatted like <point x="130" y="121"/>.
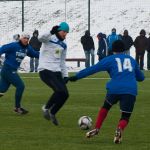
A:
<point x="85" y="122"/>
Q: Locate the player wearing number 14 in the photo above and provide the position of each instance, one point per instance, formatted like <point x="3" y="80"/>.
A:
<point x="124" y="73"/>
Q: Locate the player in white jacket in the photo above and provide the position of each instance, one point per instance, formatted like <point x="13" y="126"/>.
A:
<point x="52" y="68"/>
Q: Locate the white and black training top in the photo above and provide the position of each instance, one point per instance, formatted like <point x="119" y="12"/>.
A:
<point x="52" y="54"/>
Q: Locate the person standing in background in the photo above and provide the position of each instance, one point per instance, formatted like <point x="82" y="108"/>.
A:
<point x="140" y="44"/>
<point x="128" y="41"/>
<point x="148" y="54"/>
<point x="16" y="37"/>
<point x="88" y="47"/>
<point x="111" y="39"/>
<point x="102" y="46"/>
<point x="36" y="44"/>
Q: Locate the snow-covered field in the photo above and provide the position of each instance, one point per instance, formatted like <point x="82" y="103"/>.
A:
<point x="133" y="15"/>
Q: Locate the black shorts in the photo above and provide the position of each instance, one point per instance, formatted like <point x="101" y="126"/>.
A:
<point x="126" y="101"/>
<point x="54" y="80"/>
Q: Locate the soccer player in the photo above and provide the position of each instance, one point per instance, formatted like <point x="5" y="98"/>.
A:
<point x="14" y="54"/>
<point x="53" y="70"/>
<point x="124" y="72"/>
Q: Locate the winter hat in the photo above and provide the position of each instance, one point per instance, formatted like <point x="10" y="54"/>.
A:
<point x="118" y="46"/>
<point x="16" y="36"/>
<point x="63" y="26"/>
<point x="113" y="30"/>
<point x="25" y="35"/>
<point x="36" y="32"/>
<point x="125" y="32"/>
<point x="87" y="32"/>
<point x="143" y="32"/>
<point x="100" y="34"/>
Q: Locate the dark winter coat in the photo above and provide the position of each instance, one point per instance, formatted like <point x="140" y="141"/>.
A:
<point x="141" y="44"/>
<point x="87" y="42"/>
<point x="35" y="43"/>
<point x="102" y="45"/>
<point x="128" y="42"/>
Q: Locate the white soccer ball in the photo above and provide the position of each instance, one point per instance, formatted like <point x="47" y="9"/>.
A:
<point x="85" y="122"/>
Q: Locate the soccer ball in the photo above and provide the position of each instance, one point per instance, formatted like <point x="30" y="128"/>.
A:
<point x="85" y="122"/>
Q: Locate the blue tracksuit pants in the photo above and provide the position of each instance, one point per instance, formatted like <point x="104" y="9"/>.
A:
<point x="9" y="76"/>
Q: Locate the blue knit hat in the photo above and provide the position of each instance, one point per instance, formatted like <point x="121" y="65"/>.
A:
<point x="63" y="26"/>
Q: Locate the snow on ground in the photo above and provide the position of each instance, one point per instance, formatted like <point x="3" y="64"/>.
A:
<point x="133" y="15"/>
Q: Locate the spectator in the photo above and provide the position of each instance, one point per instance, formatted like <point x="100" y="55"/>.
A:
<point x="128" y="41"/>
<point x="88" y="47"/>
<point x="110" y="39"/>
<point x="16" y="37"/>
<point x="102" y="46"/>
<point x="36" y="44"/>
<point x="148" y="54"/>
<point x="141" y="44"/>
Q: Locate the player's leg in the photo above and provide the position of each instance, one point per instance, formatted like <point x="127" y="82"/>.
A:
<point x="18" y="83"/>
<point x="55" y="81"/>
<point x="109" y="101"/>
<point x="4" y="83"/>
<point x="126" y="105"/>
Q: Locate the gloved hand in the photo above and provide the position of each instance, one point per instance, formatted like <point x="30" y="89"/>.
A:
<point x="72" y="79"/>
<point x="54" y="29"/>
<point x="66" y="79"/>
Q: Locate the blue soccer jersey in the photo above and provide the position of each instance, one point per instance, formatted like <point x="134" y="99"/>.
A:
<point x="15" y="53"/>
<point x="123" y="70"/>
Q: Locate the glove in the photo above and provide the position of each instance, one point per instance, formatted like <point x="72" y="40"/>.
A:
<point x="66" y="79"/>
<point x="72" y="79"/>
<point x="54" y="30"/>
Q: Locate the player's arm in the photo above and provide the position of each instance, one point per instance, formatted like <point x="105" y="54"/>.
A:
<point x="45" y="37"/>
<point x="63" y="64"/>
<point x="102" y="65"/>
<point x="139" y="74"/>
<point x="6" y="48"/>
<point x="32" y="53"/>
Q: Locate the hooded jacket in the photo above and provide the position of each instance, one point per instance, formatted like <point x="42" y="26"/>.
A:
<point x="87" y="42"/>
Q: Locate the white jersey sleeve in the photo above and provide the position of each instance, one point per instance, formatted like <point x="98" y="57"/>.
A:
<point x="45" y="37"/>
<point x="63" y="64"/>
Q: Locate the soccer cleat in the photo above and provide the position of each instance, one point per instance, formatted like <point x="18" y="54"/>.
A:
<point x="21" y="111"/>
<point x="46" y="113"/>
<point x="118" y="136"/>
<point x="53" y="119"/>
<point x="92" y="133"/>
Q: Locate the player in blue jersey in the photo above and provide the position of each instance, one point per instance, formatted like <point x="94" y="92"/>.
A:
<point x="14" y="54"/>
<point x="124" y="73"/>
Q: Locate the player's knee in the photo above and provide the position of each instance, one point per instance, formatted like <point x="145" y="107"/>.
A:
<point x="63" y="94"/>
<point x="21" y="87"/>
<point x="106" y="105"/>
<point x="125" y="116"/>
